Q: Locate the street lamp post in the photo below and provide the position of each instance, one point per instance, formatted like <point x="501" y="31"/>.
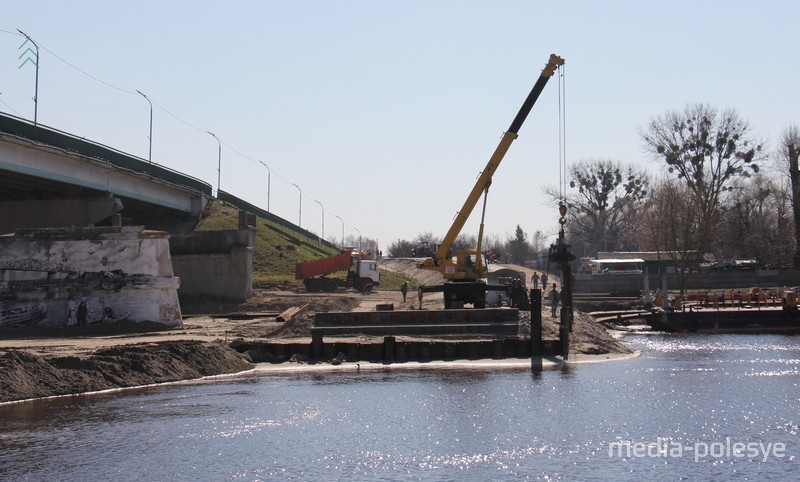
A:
<point x="300" y="209"/>
<point x="269" y="181"/>
<point x="150" y="137"/>
<point x="323" y="220"/>
<point x="340" y="219"/>
<point x="359" y="238"/>
<point x="219" y="159"/>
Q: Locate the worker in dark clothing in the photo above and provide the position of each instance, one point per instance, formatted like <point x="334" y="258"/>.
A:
<point x="553" y="298"/>
<point x="516" y="292"/>
<point x="404" y="290"/>
<point x="83" y="312"/>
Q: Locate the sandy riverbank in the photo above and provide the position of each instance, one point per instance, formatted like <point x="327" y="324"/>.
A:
<point x="24" y="375"/>
<point x="43" y="367"/>
<point x="45" y="362"/>
<point x="27" y="376"/>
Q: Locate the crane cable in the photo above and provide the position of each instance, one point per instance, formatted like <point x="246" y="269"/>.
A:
<point x="562" y="162"/>
<point x="562" y="144"/>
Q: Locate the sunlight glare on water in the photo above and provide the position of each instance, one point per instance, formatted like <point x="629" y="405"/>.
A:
<point x="432" y="424"/>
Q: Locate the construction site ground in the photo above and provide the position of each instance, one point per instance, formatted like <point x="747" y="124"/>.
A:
<point x="219" y="326"/>
<point x="257" y="320"/>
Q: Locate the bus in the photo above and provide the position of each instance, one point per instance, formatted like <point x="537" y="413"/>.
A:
<point x="618" y="266"/>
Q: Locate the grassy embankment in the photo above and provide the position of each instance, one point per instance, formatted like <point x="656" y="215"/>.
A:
<point x="278" y="250"/>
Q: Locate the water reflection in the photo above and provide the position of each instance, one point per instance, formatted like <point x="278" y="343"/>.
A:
<point x="484" y="423"/>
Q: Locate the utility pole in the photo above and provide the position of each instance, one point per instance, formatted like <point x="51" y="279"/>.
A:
<point x="36" y="64"/>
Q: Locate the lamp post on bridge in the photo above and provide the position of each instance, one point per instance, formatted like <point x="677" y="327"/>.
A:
<point x="150" y="137"/>
<point x="219" y="159"/>
<point x="269" y="181"/>
<point x="323" y="220"/>
<point x="359" y="238"/>
<point x="300" y="209"/>
<point x="342" y="245"/>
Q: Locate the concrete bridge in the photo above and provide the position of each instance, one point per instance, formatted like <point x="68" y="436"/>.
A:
<point x="52" y="179"/>
<point x="49" y="178"/>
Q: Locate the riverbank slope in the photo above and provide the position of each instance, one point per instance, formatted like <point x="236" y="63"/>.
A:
<point x="25" y="375"/>
<point x="46" y="362"/>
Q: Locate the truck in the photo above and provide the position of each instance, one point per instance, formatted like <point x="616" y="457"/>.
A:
<point x="463" y="276"/>
<point x="362" y="274"/>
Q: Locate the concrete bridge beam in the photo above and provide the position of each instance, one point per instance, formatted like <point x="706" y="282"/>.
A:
<point x="56" y="213"/>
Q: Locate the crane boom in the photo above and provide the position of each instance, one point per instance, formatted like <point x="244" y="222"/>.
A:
<point x="464" y="269"/>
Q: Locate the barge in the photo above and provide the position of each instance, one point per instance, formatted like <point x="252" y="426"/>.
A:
<point x="727" y="320"/>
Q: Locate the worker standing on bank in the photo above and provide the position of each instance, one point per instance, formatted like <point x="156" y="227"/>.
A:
<point x="404" y="290"/>
<point x="535" y="280"/>
<point x="553" y="297"/>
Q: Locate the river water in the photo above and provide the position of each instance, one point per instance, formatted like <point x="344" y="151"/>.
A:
<point x="690" y="407"/>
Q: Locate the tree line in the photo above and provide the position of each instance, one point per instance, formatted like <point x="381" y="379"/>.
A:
<point x="720" y="194"/>
<point x="516" y="248"/>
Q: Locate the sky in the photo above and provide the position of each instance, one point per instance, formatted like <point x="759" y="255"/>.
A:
<point x="376" y="117"/>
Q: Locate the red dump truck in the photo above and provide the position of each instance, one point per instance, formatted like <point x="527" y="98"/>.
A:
<point x="362" y="274"/>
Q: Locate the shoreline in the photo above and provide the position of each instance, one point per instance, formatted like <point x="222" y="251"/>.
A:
<point x="136" y="387"/>
<point x="25" y="375"/>
<point x="38" y="363"/>
<point x="548" y="363"/>
<point x="461" y="364"/>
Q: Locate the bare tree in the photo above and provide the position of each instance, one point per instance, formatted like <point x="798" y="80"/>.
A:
<point x="706" y="149"/>
<point x="401" y="249"/>
<point x="603" y="203"/>
<point x="491" y="242"/>
<point x="465" y="241"/>
<point x="671" y="223"/>
<point x="759" y="223"/>
<point x="426" y="237"/>
<point x="539" y="242"/>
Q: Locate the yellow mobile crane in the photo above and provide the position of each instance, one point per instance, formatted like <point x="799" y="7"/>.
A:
<point x="463" y="282"/>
